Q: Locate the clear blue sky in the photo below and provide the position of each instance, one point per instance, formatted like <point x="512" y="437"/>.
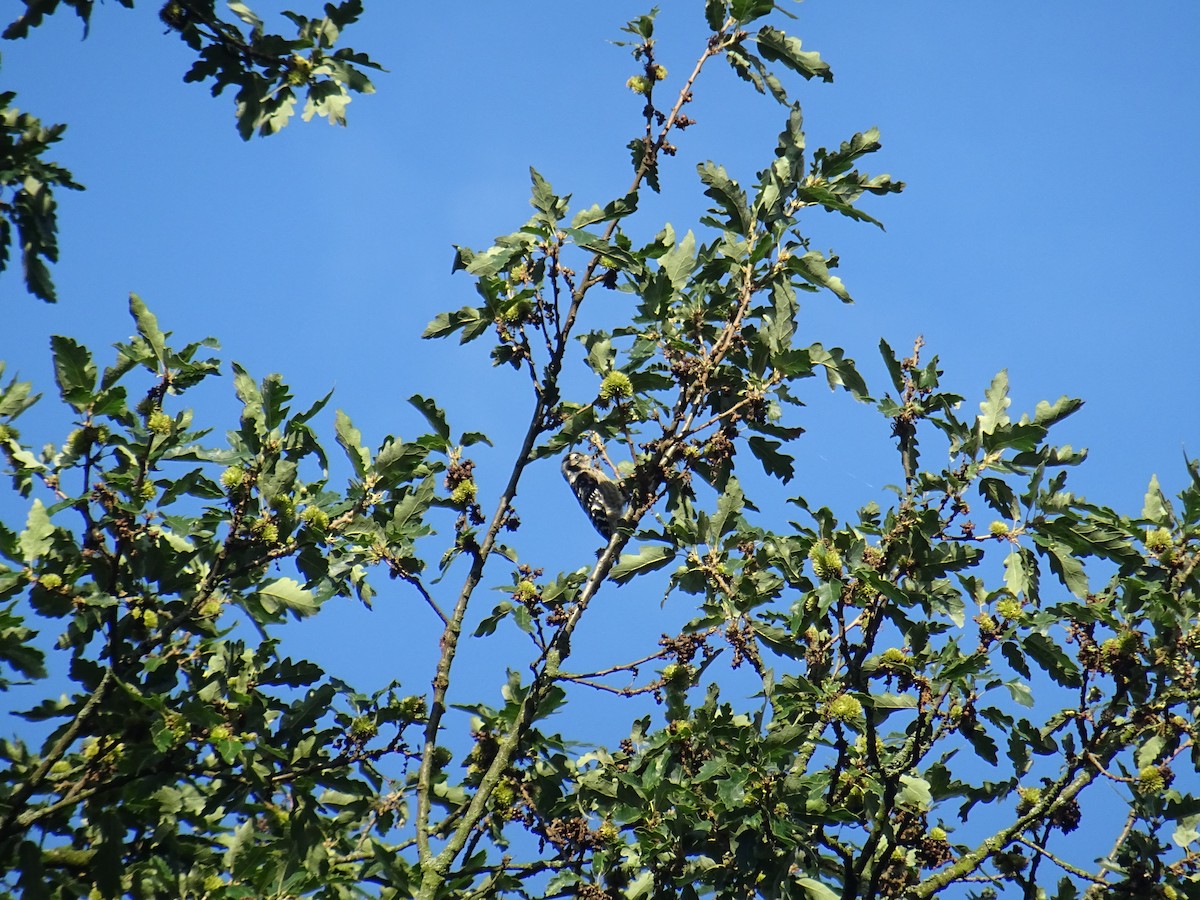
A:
<point x="1047" y="228"/>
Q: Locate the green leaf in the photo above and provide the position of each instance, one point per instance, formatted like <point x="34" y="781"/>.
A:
<point x="749" y="10"/>
<point x="406" y="519"/>
<point x="350" y="439"/>
<point x="288" y="593"/>
<point x="831" y="165"/>
<point x="1020" y="692"/>
<point x="777" y="46"/>
<point x="729" y="196"/>
<point x="1047" y="654"/>
<point x="816" y="890"/>
<point x="773" y="462"/>
<point x="999" y="496"/>
<point x="17" y="649"/>
<point x="839" y="371"/>
<point x="1012" y="653"/>
<point x="396" y="462"/>
<point x="247" y="390"/>
<point x="433" y="415"/>
<point x="600" y="351"/>
<point x="729" y="504"/>
<point x="35" y="539"/>
<point x="680" y="261"/>
<point x="614" y="209"/>
<point x="893" y="701"/>
<point x="1047" y="414"/>
<point x="648" y="558"/>
<point x="147" y="326"/>
<point x="1148" y="754"/>
<point x="1016" y="578"/>
<point x="1064" y="563"/>
<point x="74" y="371"/>
<point x="1156" y="507"/>
<point x="985" y="748"/>
<point x="545" y="200"/>
<point x="715" y="12"/>
<point x="893" y="365"/>
<point x="915" y="792"/>
<point x="992" y="409"/>
<point x="469" y="319"/>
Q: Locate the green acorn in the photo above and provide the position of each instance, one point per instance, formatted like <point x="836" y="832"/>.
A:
<point x="464" y="492"/>
<point x="1009" y="608"/>
<point x="615" y="384"/>
<point x="1150" y="780"/>
<point x="677" y="673"/>
<point x="826" y="562"/>
<point x="412" y="709"/>
<point x="845" y="708"/>
<point x="173" y="14"/>
<point x="316" y="517"/>
<point x="298" y="70"/>
<point x="233" y="478"/>
<point x="894" y="656"/>
<point x="1030" y="796"/>
<point x="159" y="422"/>
<point x="1159" y="540"/>
<point x="363" y="729"/>
<point x="503" y="795"/>
<point x="998" y="529"/>
<point x="265" y="530"/>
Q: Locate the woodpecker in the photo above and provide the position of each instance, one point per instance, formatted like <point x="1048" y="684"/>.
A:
<point x="600" y="496"/>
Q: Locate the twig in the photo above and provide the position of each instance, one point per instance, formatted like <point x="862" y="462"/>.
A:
<point x="1062" y="864"/>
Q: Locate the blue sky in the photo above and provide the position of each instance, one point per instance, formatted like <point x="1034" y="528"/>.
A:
<point x="1047" y="227"/>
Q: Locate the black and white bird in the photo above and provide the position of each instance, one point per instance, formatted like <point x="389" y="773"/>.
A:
<point x="600" y="496"/>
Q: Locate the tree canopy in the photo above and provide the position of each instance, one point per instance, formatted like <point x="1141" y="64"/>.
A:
<point x="945" y="685"/>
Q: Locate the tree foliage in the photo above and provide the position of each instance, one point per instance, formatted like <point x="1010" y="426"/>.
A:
<point x="233" y="49"/>
<point x="939" y="701"/>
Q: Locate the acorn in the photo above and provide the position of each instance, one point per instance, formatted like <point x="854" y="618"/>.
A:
<point x="265" y="530"/>
<point x="363" y="729"/>
<point x="615" y="384"/>
<point x="1158" y="541"/>
<point x="412" y="709"/>
<point x="233" y="477"/>
<point x="845" y="708"/>
<point x="464" y="492"/>
<point x="826" y="562"/>
<point x="1009" y="608"/>
<point x="316" y="517"/>
<point x="1150" y="780"/>
<point x="159" y="422"/>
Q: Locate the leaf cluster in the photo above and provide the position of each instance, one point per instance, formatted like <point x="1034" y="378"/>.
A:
<point x="28" y="212"/>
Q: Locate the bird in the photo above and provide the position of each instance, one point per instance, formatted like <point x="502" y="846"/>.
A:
<point x="601" y="497"/>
